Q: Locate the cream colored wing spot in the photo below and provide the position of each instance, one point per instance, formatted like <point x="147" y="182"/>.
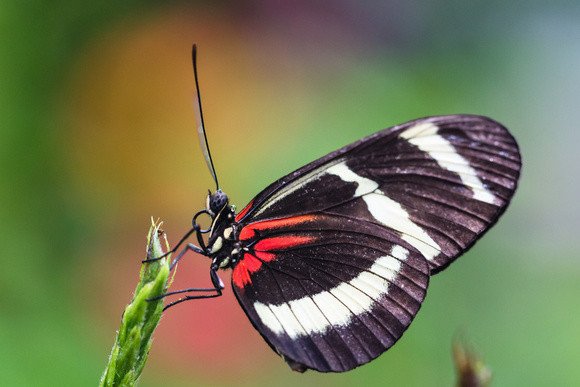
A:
<point x="391" y="214"/>
<point x="337" y="306"/>
<point x="425" y="136"/>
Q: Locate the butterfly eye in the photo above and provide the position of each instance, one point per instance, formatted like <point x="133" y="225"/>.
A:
<point x="217" y="201"/>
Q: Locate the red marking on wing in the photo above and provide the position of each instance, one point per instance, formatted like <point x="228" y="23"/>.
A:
<point x="244" y="211"/>
<point x="249" y="264"/>
<point x="240" y="274"/>
<point x="250" y="230"/>
<point x="265" y="256"/>
<point x="282" y="242"/>
<point x="252" y="262"/>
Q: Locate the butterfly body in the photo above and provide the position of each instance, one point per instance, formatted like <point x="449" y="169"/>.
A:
<point x="331" y="263"/>
<point x="222" y="244"/>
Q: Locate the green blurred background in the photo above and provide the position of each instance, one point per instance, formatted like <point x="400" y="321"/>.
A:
<point x="97" y="135"/>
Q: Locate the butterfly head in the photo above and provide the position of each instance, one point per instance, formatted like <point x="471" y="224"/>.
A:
<point x="216" y="201"/>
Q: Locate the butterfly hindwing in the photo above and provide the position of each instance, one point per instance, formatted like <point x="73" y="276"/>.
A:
<point x="326" y="292"/>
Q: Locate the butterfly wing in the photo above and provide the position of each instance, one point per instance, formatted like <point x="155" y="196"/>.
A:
<point x="440" y="182"/>
<point x="338" y="253"/>
<point x="328" y="292"/>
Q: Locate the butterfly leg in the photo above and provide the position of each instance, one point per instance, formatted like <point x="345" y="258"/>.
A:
<point x="199" y="234"/>
<point x="216" y="281"/>
<point x="190" y="246"/>
<point x="148" y="260"/>
<point x="202" y="250"/>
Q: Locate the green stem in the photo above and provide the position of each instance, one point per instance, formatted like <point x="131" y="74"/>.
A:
<point x="140" y="318"/>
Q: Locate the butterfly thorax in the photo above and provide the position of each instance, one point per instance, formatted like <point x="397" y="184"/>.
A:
<point x="223" y="245"/>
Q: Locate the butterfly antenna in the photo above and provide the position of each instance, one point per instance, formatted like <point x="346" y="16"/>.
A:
<point x="200" y="124"/>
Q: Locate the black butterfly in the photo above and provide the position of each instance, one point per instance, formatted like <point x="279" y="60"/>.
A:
<point x="331" y="263"/>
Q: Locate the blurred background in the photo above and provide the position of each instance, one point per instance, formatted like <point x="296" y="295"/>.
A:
<point x="97" y="135"/>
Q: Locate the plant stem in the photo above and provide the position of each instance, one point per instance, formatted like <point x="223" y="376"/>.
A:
<point x="140" y="317"/>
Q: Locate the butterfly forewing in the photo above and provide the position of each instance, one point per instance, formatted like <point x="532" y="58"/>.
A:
<point x="440" y="182"/>
<point x="338" y="253"/>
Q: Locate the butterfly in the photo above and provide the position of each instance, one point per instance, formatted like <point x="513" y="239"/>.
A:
<point x="331" y="262"/>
